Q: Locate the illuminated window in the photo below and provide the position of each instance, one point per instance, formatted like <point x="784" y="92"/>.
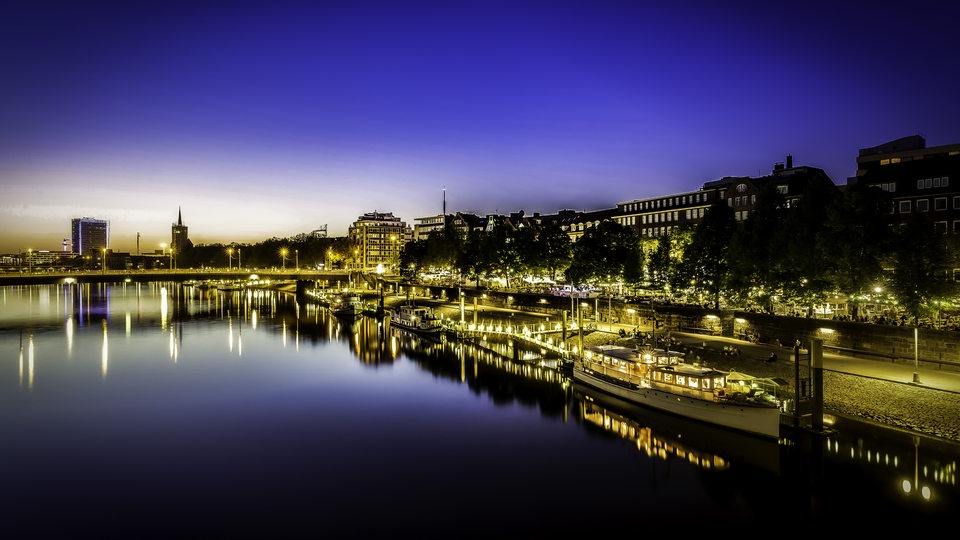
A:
<point x="681" y="380"/>
<point x="904" y="207"/>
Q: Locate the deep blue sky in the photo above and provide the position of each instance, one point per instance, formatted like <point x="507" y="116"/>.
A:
<point x="272" y="118"/>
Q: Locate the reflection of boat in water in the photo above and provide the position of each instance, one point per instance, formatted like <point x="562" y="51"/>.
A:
<point x="416" y="318"/>
<point x="664" y="435"/>
<point x="662" y="381"/>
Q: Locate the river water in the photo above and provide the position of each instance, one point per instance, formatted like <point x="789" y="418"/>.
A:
<point x="160" y="409"/>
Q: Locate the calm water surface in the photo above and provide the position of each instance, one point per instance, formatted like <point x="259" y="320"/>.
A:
<point x="159" y="409"/>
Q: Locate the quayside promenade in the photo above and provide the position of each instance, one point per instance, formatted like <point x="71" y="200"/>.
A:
<point x="923" y="399"/>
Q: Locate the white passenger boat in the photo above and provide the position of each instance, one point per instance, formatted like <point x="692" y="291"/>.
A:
<point x="420" y="319"/>
<point x="661" y="380"/>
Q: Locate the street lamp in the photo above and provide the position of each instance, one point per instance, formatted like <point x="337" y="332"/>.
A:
<point x="296" y="254"/>
<point x="283" y="259"/>
<point x="229" y="258"/>
<point x="163" y="250"/>
<point x="393" y="252"/>
<point x="103" y="261"/>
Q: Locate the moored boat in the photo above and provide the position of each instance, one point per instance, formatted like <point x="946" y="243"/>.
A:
<point x="347" y="306"/>
<point x="661" y="380"/>
<point x="420" y="319"/>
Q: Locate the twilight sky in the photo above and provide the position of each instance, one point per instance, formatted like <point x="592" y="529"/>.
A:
<point x="265" y="119"/>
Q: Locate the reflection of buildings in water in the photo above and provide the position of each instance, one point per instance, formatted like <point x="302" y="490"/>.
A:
<point x="504" y="380"/>
<point x="371" y="341"/>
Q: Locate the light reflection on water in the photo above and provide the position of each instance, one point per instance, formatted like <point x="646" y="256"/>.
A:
<point x="166" y="403"/>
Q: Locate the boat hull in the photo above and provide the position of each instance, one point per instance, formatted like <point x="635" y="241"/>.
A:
<point x="758" y="421"/>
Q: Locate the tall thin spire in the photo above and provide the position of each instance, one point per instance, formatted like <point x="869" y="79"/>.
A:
<point x="179" y="217"/>
<point x="444" y="200"/>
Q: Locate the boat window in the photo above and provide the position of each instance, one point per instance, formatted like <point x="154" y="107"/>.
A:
<point x="694" y="382"/>
<point x="668" y="377"/>
<point x="681" y="380"/>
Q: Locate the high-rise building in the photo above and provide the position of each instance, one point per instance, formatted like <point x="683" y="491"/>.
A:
<point x="377" y="238"/>
<point x="90" y="236"/>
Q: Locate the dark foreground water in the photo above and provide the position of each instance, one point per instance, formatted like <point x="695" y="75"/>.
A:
<point x="138" y="410"/>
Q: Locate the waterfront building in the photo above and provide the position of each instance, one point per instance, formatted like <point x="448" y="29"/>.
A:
<point x="919" y="179"/>
<point x="658" y="216"/>
<point x="377" y="238"/>
<point x="425" y="226"/>
<point x="90" y="236"/>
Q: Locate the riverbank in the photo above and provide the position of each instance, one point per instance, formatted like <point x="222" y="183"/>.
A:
<point x="914" y="408"/>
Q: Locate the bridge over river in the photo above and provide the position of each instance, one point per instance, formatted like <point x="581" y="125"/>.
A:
<point x="330" y="277"/>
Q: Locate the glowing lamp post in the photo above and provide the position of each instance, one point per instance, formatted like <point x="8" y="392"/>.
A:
<point x="283" y="259"/>
<point x="229" y="258"/>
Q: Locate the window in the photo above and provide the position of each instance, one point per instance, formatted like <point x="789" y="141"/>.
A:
<point x="956" y="202"/>
<point x="940" y="227"/>
<point x="904" y="207"/>
<point x="783" y="190"/>
<point x="956" y="227"/>
<point x="923" y="205"/>
<point x="940" y="203"/>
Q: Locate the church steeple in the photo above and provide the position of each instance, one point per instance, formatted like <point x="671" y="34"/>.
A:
<point x="179" y="242"/>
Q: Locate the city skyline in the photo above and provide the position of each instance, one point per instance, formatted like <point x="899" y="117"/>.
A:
<point x="261" y="120"/>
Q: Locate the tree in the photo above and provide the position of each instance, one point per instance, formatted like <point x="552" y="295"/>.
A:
<point x="705" y="260"/>
<point x="921" y="273"/>
<point x="802" y="267"/>
<point x="859" y="235"/>
<point x="754" y="249"/>
<point x="606" y="253"/>
<point x="554" y="250"/>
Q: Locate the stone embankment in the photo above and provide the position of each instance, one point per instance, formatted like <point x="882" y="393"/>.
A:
<point x="914" y="408"/>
